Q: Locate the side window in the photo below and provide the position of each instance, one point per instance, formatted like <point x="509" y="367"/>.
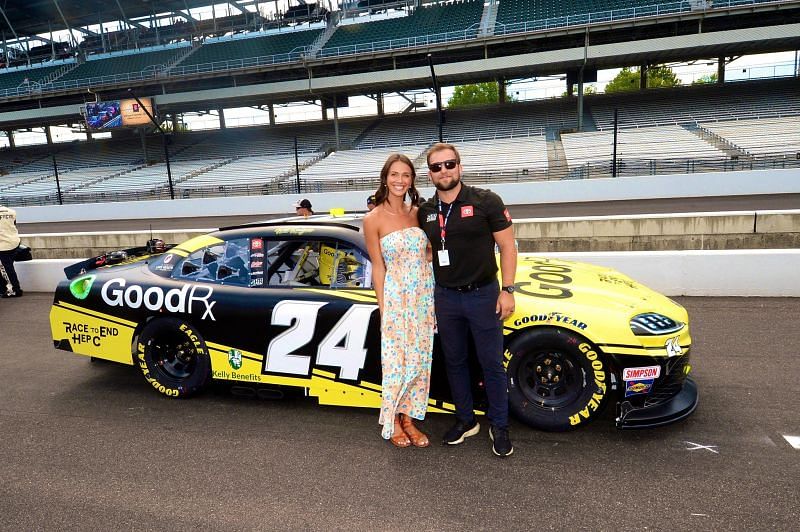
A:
<point x="316" y="263"/>
<point x="224" y="263"/>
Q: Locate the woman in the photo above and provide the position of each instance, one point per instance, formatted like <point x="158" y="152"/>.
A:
<point x="403" y="281"/>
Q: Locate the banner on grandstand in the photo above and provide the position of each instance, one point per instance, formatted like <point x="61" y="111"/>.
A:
<point x="119" y="113"/>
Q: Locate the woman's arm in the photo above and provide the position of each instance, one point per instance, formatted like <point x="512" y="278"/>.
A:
<point x="372" y="237"/>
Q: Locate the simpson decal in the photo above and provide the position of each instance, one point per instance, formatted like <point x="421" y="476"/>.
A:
<point x="644" y="372"/>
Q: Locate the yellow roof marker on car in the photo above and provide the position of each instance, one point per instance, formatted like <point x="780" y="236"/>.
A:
<point x="336" y="211"/>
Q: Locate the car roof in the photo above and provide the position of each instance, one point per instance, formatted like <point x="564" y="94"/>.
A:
<point x="344" y="227"/>
<point x="354" y="220"/>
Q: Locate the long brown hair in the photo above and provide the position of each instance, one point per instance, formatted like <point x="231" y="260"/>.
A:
<point x="383" y="189"/>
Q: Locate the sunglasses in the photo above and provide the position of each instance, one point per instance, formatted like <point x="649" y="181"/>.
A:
<point x="437" y="167"/>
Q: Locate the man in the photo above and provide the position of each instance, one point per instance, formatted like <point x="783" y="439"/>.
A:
<point x="303" y="208"/>
<point x="370" y="202"/>
<point x="9" y="242"/>
<point x="463" y="224"/>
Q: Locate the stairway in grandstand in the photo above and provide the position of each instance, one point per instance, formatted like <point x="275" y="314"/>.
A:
<point x="718" y="141"/>
<point x="488" y="18"/>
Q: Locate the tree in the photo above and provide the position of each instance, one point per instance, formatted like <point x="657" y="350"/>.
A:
<point x="658" y="76"/>
<point x="705" y="80"/>
<point x="476" y="94"/>
<point x="587" y="89"/>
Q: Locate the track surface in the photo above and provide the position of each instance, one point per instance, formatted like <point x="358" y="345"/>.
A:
<point x="589" y="208"/>
<point x="90" y="446"/>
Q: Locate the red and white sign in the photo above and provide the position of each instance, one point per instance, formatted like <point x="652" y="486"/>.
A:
<point x="257" y="243"/>
<point x="507" y="214"/>
<point x="467" y="211"/>
<point x="644" y="372"/>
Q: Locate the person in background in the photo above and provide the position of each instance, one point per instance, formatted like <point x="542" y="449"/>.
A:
<point x="9" y="242"/>
<point x="370" y="202"/>
<point x="303" y="208"/>
<point x="403" y="281"/>
<point x="464" y="224"/>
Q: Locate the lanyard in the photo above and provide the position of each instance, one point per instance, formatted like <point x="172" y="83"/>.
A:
<point x="443" y="220"/>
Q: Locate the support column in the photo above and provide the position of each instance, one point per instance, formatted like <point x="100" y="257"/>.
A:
<point x="721" y="69"/>
<point x="336" y="122"/>
<point x="643" y="77"/>
<point x="10" y="135"/>
<point x="174" y="122"/>
<point x="88" y="134"/>
<point x="580" y="99"/>
<point x="271" y="109"/>
<point x="144" y="144"/>
<point x="324" y="110"/>
<point x="48" y="135"/>
<point x="379" y="100"/>
<point x="501" y="90"/>
<point x="221" y="112"/>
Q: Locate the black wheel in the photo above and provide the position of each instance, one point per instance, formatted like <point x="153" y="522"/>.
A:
<point x="557" y="380"/>
<point x="173" y="357"/>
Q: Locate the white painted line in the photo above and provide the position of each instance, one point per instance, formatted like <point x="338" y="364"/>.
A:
<point x="697" y="446"/>
<point x="794" y="441"/>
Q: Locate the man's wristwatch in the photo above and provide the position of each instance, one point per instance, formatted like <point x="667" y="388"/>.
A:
<point x="509" y="289"/>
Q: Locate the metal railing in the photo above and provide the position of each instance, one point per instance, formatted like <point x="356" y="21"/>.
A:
<point x="405" y="42"/>
<point x="615" y="15"/>
<point x="359" y="181"/>
<point x="301" y="53"/>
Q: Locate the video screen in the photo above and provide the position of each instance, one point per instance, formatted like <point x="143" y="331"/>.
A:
<point x="103" y="115"/>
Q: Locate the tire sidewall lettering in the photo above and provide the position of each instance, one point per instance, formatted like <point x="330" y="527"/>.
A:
<point x="146" y="364"/>
<point x="524" y="392"/>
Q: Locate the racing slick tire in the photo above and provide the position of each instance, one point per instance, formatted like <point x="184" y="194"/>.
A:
<point x="173" y="357"/>
<point x="557" y="380"/>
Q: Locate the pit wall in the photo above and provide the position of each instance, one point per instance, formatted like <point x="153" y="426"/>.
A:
<point x="562" y="191"/>
<point x="661" y="232"/>
<point x="705" y="272"/>
<point x="763" y="272"/>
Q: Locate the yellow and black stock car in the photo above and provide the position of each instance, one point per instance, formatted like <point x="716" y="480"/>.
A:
<point x="289" y="304"/>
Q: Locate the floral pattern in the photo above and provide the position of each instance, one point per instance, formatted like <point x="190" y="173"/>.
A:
<point x="407" y="326"/>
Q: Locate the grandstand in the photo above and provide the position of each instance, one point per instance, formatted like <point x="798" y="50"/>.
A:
<point x="373" y="47"/>
<point x="424" y="25"/>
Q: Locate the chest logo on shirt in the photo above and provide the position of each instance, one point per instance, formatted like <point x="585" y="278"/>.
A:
<point x="467" y="211"/>
<point x="431" y="217"/>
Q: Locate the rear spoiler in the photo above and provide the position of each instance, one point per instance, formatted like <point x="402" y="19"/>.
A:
<point x="117" y="257"/>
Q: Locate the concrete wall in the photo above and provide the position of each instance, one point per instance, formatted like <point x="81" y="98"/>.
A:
<point x="561" y="191"/>
<point x="765" y="272"/>
<point x="705" y="230"/>
<point x="714" y="230"/>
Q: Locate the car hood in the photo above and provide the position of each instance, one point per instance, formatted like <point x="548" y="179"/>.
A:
<point x="541" y="280"/>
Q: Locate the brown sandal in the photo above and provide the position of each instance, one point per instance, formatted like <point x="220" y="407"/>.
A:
<point x="399" y="437"/>
<point x="418" y="438"/>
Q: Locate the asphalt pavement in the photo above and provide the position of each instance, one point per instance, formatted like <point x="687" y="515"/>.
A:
<point x="90" y="446"/>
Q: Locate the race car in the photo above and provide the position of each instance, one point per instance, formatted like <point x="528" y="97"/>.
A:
<point x="289" y="305"/>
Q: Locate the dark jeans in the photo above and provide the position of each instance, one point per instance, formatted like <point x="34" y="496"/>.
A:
<point x="457" y="315"/>
<point x="7" y="259"/>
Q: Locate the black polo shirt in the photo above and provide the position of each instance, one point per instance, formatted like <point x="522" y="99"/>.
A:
<point x="476" y="214"/>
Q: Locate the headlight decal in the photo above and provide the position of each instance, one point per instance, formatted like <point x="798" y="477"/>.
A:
<point x="654" y="324"/>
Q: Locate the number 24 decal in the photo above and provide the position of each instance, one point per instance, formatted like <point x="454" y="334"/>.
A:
<point x="301" y="317"/>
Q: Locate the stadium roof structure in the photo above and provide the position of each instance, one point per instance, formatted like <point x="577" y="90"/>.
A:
<point x="33" y="17"/>
<point x="179" y="86"/>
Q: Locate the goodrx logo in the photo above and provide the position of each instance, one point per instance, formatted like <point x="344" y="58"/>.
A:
<point x="182" y="300"/>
